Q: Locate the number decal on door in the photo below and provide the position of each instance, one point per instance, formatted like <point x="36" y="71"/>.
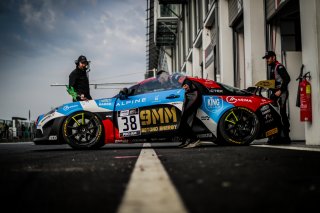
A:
<point x="129" y="123"/>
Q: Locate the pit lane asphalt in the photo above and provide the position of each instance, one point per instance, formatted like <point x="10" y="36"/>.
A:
<point x="208" y="178"/>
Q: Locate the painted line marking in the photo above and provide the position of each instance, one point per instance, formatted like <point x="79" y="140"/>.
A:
<point x="150" y="188"/>
<point x="290" y="147"/>
<point x="125" y="157"/>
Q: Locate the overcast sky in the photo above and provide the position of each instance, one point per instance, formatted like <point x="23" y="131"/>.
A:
<point x="40" y="39"/>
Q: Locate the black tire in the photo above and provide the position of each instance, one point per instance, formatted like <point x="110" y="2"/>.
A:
<point x="238" y="126"/>
<point x="83" y="130"/>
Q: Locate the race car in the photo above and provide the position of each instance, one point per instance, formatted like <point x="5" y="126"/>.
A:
<point x="148" y="111"/>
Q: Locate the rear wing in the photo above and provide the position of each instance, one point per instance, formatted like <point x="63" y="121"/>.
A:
<point x="266" y="84"/>
<point x="262" y="86"/>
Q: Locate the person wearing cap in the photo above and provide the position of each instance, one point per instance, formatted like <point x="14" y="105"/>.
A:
<point x="282" y="79"/>
<point x="192" y="102"/>
<point x="79" y="81"/>
<point x="168" y="81"/>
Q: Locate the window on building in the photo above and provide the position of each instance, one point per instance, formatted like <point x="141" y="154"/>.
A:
<point x="169" y="10"/>
<point x="208" y="4"/>
<point x="190" y="28"/>
<point x="290" y="35"/>
<point x="199" y="16"/>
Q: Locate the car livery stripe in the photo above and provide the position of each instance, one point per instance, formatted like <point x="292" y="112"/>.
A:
<point x="93" y="106"/>
<point x="150" y="99"/>
<point x="69" y="108"/>
<point x="207" y="121"/>
<point x="46" y="118"/>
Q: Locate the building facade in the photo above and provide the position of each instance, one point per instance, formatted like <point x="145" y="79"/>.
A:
<point x="224" y="40"/>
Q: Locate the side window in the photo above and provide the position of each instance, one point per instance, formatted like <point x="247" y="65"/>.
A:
<point x="151" y="86"/>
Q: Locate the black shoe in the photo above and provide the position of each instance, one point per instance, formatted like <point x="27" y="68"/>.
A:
<point x="193" y="143"/>
<point x="272" y="141"/>
<point x="286" y="140"/>
<point x="184" y="143"/>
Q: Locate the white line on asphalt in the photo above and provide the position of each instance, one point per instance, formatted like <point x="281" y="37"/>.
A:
<point x="16" y="143"/>
<point x="150" y="188"/>
<point x="313" y="149"/>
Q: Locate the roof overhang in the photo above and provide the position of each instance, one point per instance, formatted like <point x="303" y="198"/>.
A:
<point x="173" y="1"/>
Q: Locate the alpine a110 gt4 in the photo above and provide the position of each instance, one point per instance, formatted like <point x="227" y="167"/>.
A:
<point x="149" y="112"/>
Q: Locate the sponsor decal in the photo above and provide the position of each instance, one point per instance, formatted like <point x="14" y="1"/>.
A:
<point x="129" y="123"/>
<point x="205" y="118"/>
<point x="158" y="119"/>
<point x="158" y="128"/>
<point x="156" y="99"/>
<point x="131" y="102"/>
<point x="268" y="118"/>
<point x="266" y="112"/>
<point x="266" y="107"/>
<point x="68" y="107"/>
<point x="216" y="90"/>
<point x="104" y="104"/>
<point x="213" y="103"/>
<point x="130" y="134"/>
<point x="108" y="100"/>
<point x="53" y="138"/>
<point x="207" y="135"/>
<point x="47" y="117"/>
<point x="232" y="99"/>
<point x="271" y="132"/>
<point x="162" y="115"/>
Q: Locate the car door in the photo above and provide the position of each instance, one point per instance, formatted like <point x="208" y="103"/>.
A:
<point x="150" y="111"/>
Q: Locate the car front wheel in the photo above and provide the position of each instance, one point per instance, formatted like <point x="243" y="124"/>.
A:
<point x="83" y="130"/>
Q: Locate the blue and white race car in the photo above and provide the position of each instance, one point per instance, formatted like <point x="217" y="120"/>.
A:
<point x="148" y="112"/>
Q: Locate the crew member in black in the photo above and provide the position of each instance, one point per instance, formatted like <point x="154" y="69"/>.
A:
<point x="282" y="79"/>
<point x="191" y="105"/>
<point x="192" y="102"/>
<point x="78" y="79"/>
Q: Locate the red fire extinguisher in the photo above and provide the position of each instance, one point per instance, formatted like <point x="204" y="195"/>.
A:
<point x="305" y="98"/>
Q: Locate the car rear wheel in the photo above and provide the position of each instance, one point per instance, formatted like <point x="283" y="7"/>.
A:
<point x="238" y="126"/>
<point x="83" y="130"/>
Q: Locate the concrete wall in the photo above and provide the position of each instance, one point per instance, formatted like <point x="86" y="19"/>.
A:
<point x="254" y="35"/>
<point x="225" y="45"/>
<point x="310" y="33"/>
<point x="294" y="62"/>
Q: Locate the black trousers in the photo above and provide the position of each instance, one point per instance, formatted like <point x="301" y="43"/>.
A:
<point x="192" y="102"/>
<point x="282" y="101"/>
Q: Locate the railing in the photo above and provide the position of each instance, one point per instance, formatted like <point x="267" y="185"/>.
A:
<point x="24" y="131"/>
<point x="21" y="136"/>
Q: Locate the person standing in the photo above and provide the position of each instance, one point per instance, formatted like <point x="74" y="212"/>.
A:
<point x="79" y="81"/>
<point x="191" y="104"/>
<point x="282" y="79"/>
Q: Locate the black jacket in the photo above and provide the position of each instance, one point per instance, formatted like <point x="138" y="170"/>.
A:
<point x="78" y="79"/>
<point x="280" y="75"/>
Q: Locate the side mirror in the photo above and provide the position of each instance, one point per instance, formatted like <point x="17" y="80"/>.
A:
<point x="123" y="94"/>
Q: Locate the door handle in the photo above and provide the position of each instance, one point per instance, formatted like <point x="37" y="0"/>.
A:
<point x="172" y="96"/>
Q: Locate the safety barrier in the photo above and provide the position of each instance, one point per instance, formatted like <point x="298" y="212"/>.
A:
<point x="23" y="131"/>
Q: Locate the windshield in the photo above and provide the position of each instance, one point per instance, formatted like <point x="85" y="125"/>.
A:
<point x="234" y="90"/>
<point x="167" y="82"/>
